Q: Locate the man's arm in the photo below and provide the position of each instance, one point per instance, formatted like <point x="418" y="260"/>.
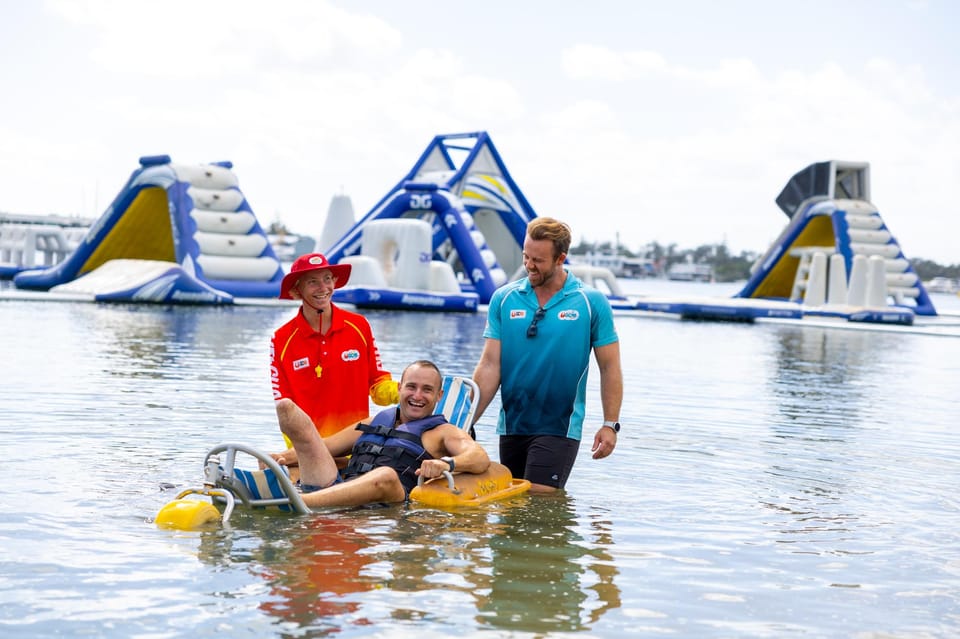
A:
<point x="449" y="441"/>
<point x="341" y="443"/>
<point x="611" y="396"/>
<point x="487" y="375"/>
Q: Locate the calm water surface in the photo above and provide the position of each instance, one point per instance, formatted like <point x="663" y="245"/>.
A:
<point x="770" y="481"/>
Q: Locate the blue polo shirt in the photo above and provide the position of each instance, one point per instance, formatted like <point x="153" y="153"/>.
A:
<point x="543" y="379"/>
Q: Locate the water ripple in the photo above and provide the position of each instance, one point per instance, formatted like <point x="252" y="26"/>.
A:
<point x="769" y="481"/>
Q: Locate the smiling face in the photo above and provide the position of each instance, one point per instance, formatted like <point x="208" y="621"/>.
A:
<point x="316" y="288"/>
<point x="542" y="266"/>
<point x="420" y="390"/>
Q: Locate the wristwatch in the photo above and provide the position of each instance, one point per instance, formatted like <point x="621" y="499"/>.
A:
<point x="614" y="425"/>
<point x="449" y="460"/>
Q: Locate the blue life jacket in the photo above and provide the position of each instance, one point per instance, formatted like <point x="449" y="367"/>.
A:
<point x="386" y="443"/>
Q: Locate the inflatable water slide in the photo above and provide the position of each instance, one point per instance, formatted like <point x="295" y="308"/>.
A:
<point x="174" y="234"/>
<point x="836" y="258"/>
<point x="444" y="238"/>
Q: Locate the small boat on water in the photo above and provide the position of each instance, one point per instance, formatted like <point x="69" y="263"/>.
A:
<point x="690" y="272"/>
<point x="943" y="285"/>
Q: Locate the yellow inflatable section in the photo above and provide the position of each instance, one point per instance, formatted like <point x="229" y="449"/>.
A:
<point x="467" y="489"/>
<point x="187" y="514"/>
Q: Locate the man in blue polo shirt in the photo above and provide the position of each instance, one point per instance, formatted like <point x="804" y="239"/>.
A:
<point x="539" y="334"/>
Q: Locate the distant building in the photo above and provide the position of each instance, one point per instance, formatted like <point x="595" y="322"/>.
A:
<point x="942" y="285"/>
<point x="690" y="272"/>
<point x="619" y="265"/>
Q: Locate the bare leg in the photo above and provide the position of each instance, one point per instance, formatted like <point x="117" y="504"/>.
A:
<point x="317" y="466"/>
<point x="380" y="485"/>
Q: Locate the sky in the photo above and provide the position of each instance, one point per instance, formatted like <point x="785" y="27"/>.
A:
<point x="633" y="121"/>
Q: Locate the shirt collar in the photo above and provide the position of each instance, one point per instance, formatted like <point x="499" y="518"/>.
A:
<point x="571" y="284"/>
<point x="336" y="323"/>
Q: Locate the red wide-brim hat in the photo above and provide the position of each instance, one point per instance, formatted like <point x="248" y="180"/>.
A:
<point x="312" y="262"/>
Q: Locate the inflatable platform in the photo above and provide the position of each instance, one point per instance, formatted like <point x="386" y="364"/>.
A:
<point x="33" y="242"/>
<point x="446" y="236"/>
<point x="835" y="259"/>
<point x="174" y="234"/>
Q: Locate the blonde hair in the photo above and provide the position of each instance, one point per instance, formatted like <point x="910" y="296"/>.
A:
<point x="547" y="228"/>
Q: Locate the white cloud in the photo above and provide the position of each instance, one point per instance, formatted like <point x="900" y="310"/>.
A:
<point x="586" y="61"/>
<point x="683" y="142"/>
<point x="181" y="38"/>
<point x="753" y="133"/>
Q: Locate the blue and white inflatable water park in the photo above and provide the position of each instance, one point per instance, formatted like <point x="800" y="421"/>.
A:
<point x="175" y="234"/>
<point x="835" y="260"/>
<point x="444" y="238"/>
<point x="450" y="232"/>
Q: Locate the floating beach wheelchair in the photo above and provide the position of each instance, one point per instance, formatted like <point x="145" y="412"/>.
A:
<point x="226" y="484"/>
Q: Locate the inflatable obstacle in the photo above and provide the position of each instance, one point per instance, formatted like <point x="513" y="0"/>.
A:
<point x="184" y="234"/>
<point x="446" y="236"/>
<point x="835" y="259"/>
<point x="837" y="256"/>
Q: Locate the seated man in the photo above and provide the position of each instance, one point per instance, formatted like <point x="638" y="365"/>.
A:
<point x="389" y="454"/>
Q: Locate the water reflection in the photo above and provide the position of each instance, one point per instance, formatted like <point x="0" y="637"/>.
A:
<point x="821" y="387"/>
<point x="524" y="564"/>
<point x="824" y="370"/>
<point x="773" y="480"/>
<point x="441" y="337"/>
<point x="153" y="340"/>
<point x="314" y="572"/>
<point x="550" y="573"/>
<point x="309" y="567"/>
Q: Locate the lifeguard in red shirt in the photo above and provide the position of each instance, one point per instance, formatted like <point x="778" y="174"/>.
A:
<point x="325" y="358"/>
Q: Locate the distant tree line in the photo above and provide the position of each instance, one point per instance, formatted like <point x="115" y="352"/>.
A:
<point x="726" y="267"/>
<point x="927" y="269"/>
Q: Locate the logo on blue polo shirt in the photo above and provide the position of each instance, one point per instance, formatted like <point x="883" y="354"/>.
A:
<point x="569" y="315"/>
